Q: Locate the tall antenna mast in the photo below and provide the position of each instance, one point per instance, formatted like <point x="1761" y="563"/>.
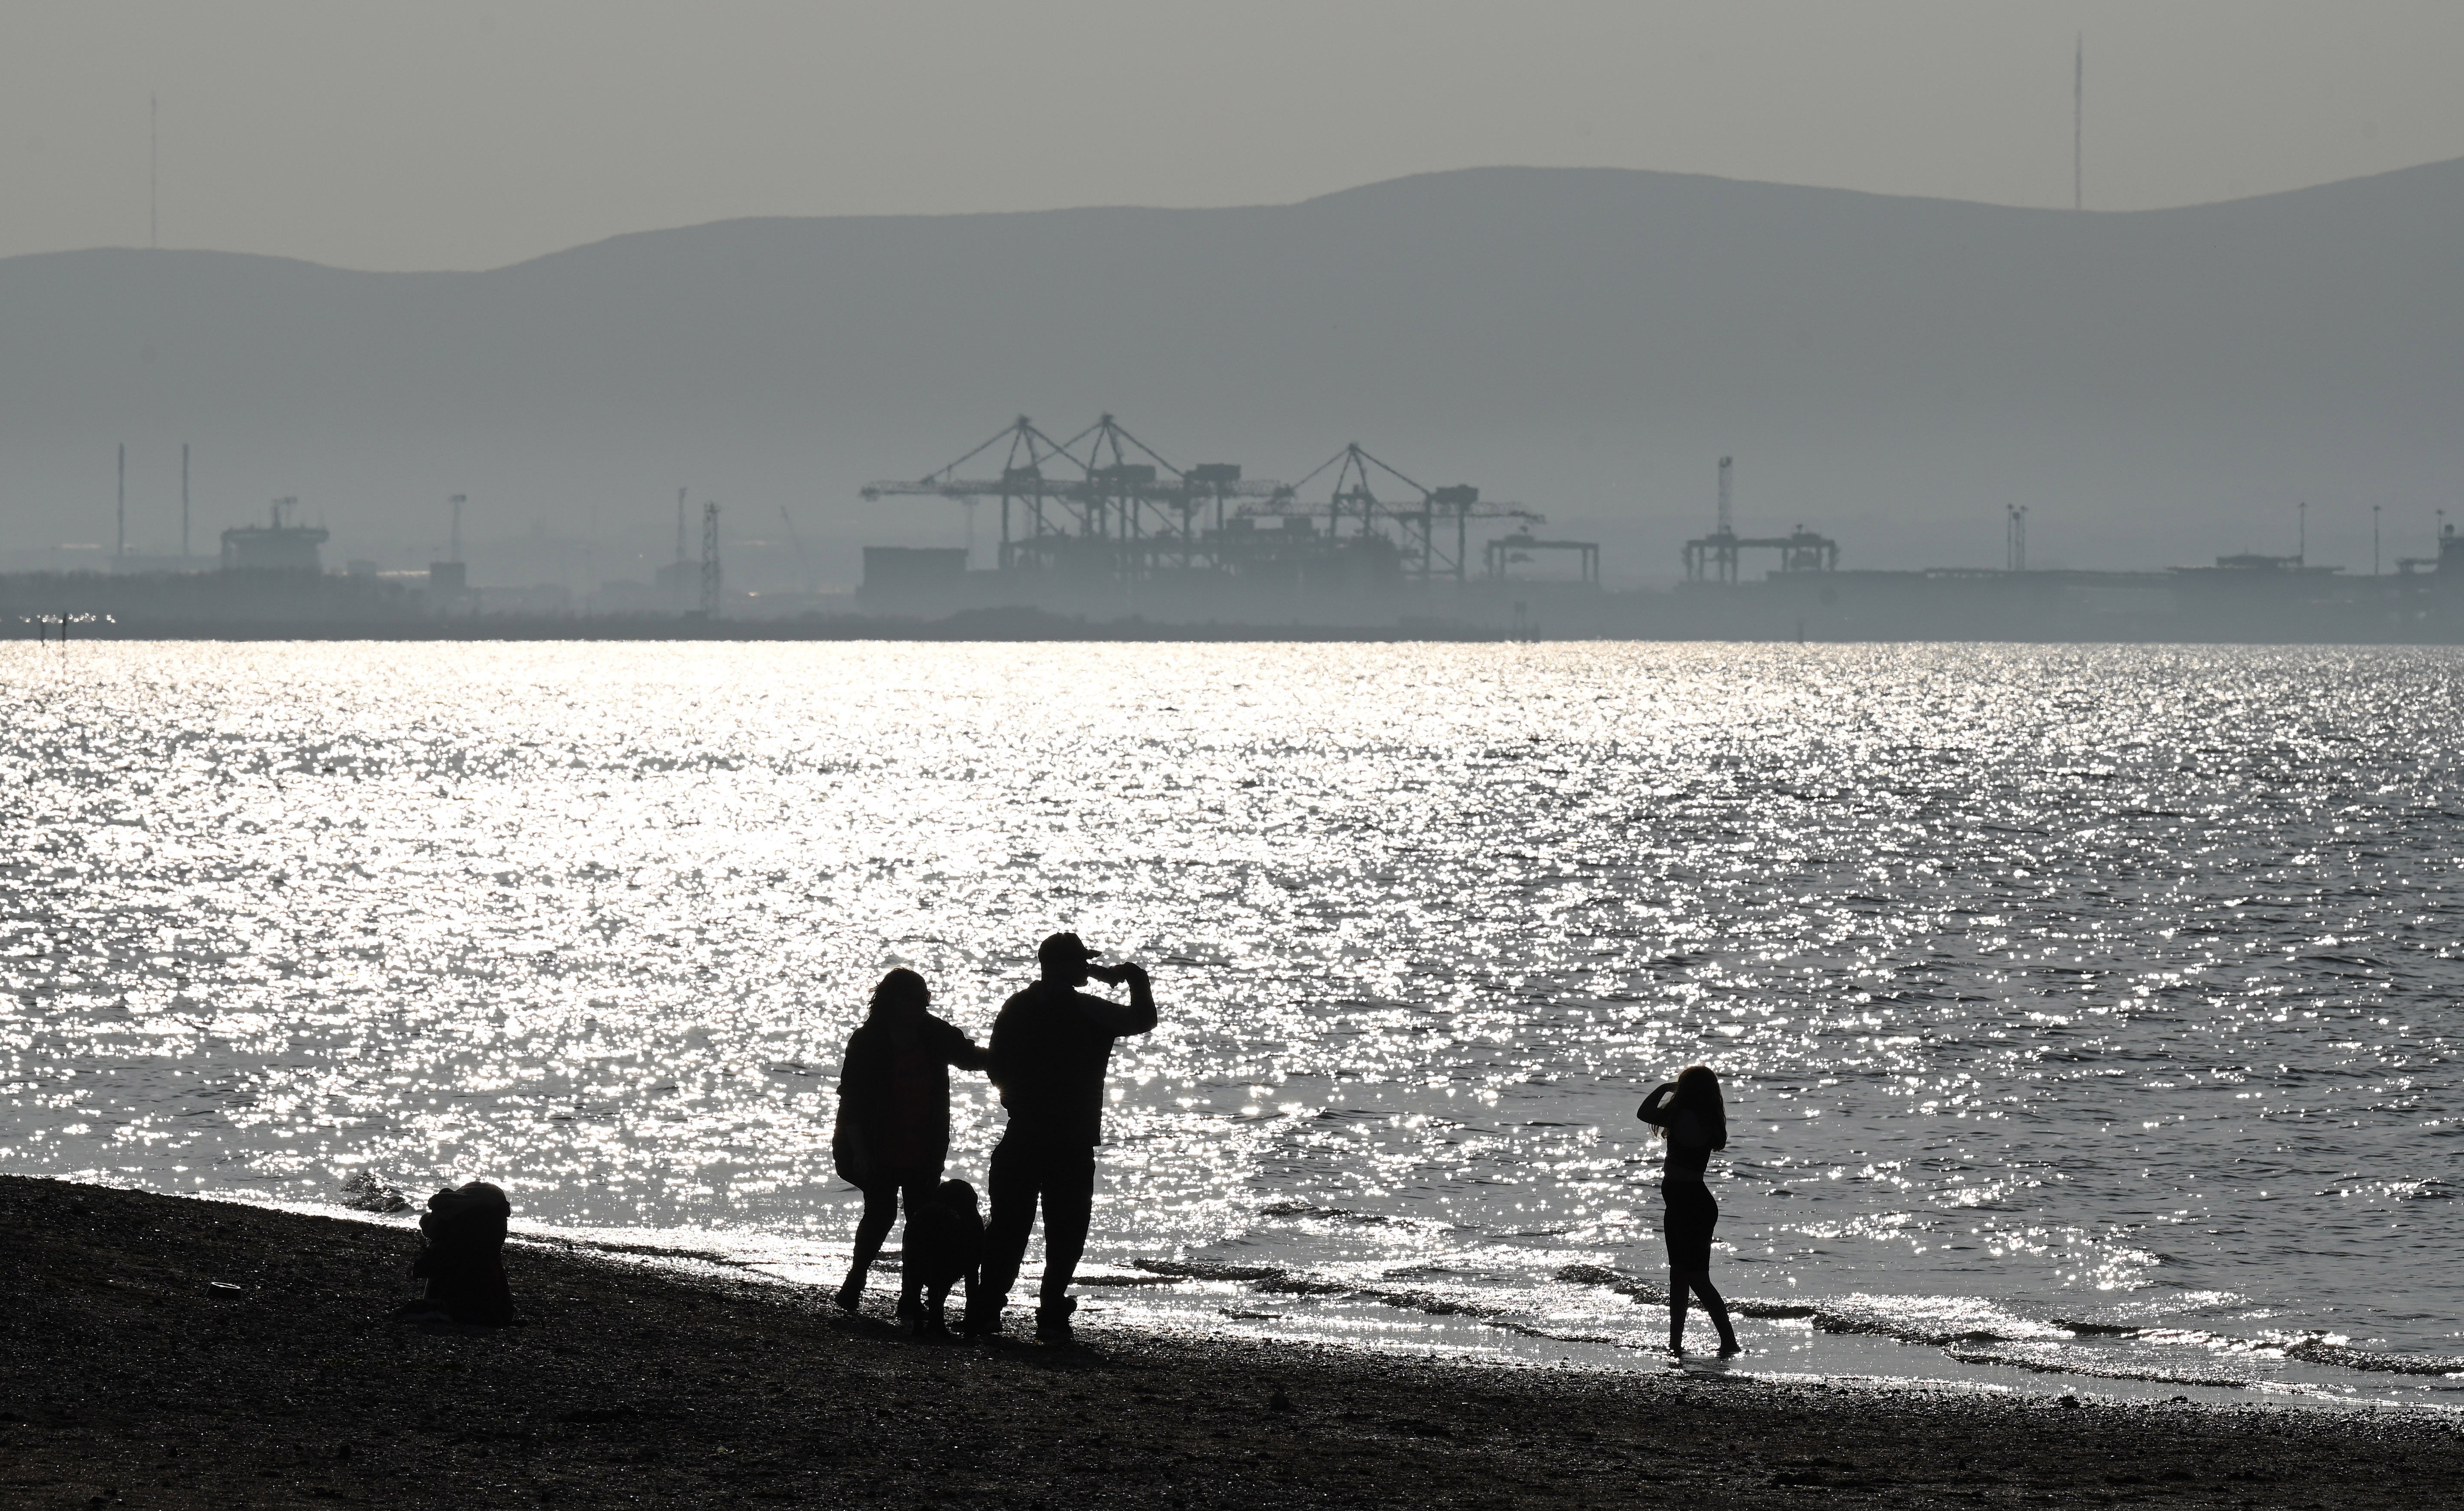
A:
<point x="709" y="560"/>
<point x="2078" y="121"/>
<point x="153" y="170"/>
<point x="1725" y="527"/>
<point x="119" y="543"/>
<point x="798" y="542"/>
<point x="183" y="502"/>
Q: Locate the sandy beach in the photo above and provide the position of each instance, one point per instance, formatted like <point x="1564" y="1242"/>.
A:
<point x="181" y="1353"/>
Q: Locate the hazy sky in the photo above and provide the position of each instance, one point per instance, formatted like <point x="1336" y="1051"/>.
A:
<point x="449" y="135"/>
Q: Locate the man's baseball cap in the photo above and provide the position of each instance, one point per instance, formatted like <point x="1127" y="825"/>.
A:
<point x="1064" y="949"/>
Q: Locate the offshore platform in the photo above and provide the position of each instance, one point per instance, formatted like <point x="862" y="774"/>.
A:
<point x="1104" y="516"/>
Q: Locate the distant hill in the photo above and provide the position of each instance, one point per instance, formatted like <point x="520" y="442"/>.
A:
<point x="2157" y="386"/>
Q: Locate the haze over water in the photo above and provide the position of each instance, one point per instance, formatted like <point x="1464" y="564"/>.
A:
<point x="2110" y="986"/>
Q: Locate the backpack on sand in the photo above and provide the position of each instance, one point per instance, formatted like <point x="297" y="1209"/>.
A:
<point x="463" y="1261"/>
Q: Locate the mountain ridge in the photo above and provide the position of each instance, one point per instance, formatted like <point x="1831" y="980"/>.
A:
<point x="2451" y="166"/>
<point x="1890" y="368"/>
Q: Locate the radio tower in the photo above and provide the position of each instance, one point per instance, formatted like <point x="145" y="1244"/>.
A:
<point x="2078" y="121"/>
<point x="710" y="561"/>
<point x="674" y="576"/>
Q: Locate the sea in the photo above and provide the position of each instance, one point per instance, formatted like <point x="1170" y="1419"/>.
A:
<point x="2087" y="1014"/>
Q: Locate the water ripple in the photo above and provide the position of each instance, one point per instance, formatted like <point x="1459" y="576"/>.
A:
<point x="2115" y="983"/>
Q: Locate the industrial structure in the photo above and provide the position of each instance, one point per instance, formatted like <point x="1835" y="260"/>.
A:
<point x="449" y="581"/>
<point x="278" y="545"/>
<point x="709" y="578"/>
<point x="1104" y="507"/>
<point x="1101" y="534"/>
<point x="1715" y="558"/>
<point x="1505" y="550"/>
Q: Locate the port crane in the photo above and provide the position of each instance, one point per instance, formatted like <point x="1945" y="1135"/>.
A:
<point x="1420" y="526"/>
<point x="1101" y="498"/>
<point x="1713" y="557"/>
<point x="1104" y="503"/>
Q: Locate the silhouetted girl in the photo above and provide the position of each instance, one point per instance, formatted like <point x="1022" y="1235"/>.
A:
<point x="1688" y="1113"/>
<point x="894" y="1121"/>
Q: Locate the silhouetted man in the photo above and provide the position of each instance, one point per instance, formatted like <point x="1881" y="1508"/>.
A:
<point x="1051" y="1046"/>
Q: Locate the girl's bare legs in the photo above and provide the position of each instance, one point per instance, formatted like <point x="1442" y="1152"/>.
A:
<point x="1719" y="1310"/>
<point x="1678" y="1287"/>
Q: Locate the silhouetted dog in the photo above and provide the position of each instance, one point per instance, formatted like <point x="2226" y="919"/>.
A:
<point x="945" y="1238"/>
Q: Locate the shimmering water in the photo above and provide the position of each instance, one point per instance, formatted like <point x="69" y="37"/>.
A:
<point x="2052" y="986"/>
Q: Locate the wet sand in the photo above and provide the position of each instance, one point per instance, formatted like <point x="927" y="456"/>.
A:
<point x="165" y="1353"/>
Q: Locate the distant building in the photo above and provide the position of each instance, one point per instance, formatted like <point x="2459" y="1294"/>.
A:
<point x="132" y="563"/>
<point x="905" y="573"/>
<point x="2448" y="566"/>
<point x="679" y="582"/>
<point x="623" y="596"/>
<point x="539" y="600"/>
<point x="277" y="546"/>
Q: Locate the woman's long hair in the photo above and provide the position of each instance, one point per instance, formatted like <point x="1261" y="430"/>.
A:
<point x="901" y="991"/>
<point x="1698" y="1091"/>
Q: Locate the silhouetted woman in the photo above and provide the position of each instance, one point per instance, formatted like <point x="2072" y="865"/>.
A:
<point x="894" y="1121"/>
<point x="1688" y="1113"/>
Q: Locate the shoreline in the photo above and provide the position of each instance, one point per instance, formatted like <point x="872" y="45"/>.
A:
<point x="176" y="1351"/>
<point x="1055" y="629"/>
<point x="1848" y="1349"/>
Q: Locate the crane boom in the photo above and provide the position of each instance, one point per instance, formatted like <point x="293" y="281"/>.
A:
<point x="1017" y="487"/>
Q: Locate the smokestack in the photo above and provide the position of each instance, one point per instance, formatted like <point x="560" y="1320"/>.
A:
<point x="2078" y="121"/>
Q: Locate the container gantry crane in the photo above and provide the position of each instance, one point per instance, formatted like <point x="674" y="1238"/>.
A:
<point x="1420" y="526"/>
<point x="1102" y="498"/>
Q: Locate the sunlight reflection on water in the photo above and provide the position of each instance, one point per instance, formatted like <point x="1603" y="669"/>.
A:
<point x="2110" y="984"/>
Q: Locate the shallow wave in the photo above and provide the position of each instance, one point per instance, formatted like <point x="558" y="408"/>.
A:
<point x="2018" y="1342"/>
<point x="2312" y="1348"/>
<point x="2318" y="1350"/>
<point x="2050" y="1359"/>
<point x="1903" y="1318"/>
<point x="1315" y="1212"/>
<point x="1277" y="1280"/>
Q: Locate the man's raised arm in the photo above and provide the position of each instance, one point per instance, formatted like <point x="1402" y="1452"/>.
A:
<point x="1136" y="1016"/>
